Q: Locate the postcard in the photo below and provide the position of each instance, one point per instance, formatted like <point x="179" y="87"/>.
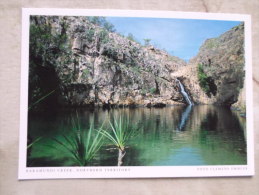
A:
<point x="135" y="94"/>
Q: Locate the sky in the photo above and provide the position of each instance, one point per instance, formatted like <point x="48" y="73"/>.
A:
<point x="179" y="37"/>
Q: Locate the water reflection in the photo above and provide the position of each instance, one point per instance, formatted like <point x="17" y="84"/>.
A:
<point x="184" y="118"/>
<point x="178" y="135"/>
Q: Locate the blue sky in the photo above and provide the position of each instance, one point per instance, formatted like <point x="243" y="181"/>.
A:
<point x="179" y="37"/>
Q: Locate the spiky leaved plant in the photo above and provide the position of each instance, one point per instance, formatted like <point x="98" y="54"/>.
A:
<point x="82" y="144"/>
<point x="120" y="133"/>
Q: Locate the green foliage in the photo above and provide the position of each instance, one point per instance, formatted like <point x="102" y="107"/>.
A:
<point x="104" y="36"/>
<point x="147" y="42"/>
<point x="153" y="90"/>
<point x="207" y="83"/>
<point x="110" y="52"/>
<point x="90" y="35"/>
<point x="143" y="91"/>
<point x="85" y="73"/>
<point x="40" y="99"/>
<point x="202" y="77"/>
<point x="68" y="78"/>
<point x="102" y="22"/>
<point x="109" y="26"/>
<point x="34" y="142"/>
<point x="132" y="38"/>
<point x="121" y="132"/>
<point x="45" y="46"/>
<point x="136" y="69"/>
<point x="82" y="144"/>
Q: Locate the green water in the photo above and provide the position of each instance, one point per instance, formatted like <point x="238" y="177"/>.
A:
<point x="178" y="135"/>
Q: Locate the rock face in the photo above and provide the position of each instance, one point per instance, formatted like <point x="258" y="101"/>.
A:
<point x="103" y="68"/>
<point x="216" y="74"/>
<point x="240" y="105"/>
<point x="93" y="66"/>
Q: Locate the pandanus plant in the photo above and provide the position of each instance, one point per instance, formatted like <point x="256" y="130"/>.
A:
<point x="120" y="133"/>
<point x="30" y="141"/>
<point x="82" y="144"/>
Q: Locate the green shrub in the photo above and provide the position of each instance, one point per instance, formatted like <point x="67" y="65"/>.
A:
<point x="136" y="69"/>
<point x="207" y="83"/>
<point x="143" y="91"/>
<point x="132" y="38"/>
<point x="104" y="37"/>
<point x="147" y="42"/>
<point x="102" y="22"/>
<point x="110" y="52"/>
<point x="90" y="35"/>
<point x="85" y="73"/>
<point x="153" y="90"/>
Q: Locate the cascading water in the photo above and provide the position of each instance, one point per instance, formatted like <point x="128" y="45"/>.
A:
<point x="183" y="92"/>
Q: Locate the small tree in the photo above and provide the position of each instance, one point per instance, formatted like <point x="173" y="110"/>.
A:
<point x="109" y="26"/>
<point x="131" y="37"/>
<point x="102" y="22"/>
<point x="147" y="42"/>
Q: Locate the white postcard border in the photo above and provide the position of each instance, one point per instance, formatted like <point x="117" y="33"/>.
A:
<point x="132" y="171"/>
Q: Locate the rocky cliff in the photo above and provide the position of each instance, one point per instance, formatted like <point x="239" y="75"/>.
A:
<point x="216" y="74"/>
<point x="100" y="67"/>
<point x="85" y="64"/>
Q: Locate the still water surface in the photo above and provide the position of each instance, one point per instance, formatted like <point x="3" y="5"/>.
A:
<point x="177" y="136"/>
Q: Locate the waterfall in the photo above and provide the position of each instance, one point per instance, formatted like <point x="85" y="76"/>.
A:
<point x="183" y="92"/>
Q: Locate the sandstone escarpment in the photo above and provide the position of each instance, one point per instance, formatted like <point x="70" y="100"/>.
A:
<point x="83" y="63"/>
<point x="216" y="74"/>
<point x="98" y="67"/>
